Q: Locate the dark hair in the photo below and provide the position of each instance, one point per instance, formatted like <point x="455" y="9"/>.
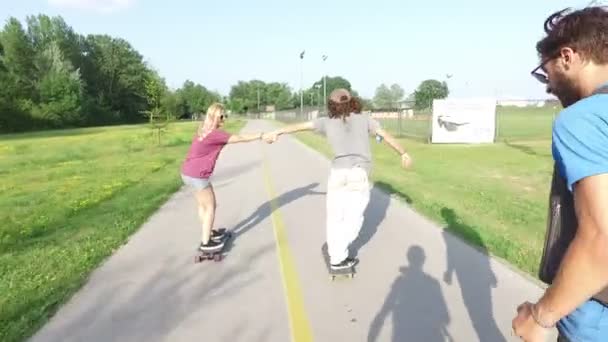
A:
<point x="585" y="31"/>
<point x="343" y="110"/>
<point x="357" y="106"/>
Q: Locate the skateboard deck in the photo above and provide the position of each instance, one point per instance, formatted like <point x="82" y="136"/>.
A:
<point x="345" y="272"/>
<point x="216" y="255"/>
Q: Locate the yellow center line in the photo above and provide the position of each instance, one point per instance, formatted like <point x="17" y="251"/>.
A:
<point x="298" y="320"/>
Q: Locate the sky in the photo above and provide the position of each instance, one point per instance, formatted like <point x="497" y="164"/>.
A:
<point x="487" y="46"/>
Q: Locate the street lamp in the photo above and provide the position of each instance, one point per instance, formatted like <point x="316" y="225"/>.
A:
<point x="301" y="82"/>
<point x="324" y="83"/>
<point x="258" y="99"/>
<point x="447" y="78"/>
<point x="319" y="102"/>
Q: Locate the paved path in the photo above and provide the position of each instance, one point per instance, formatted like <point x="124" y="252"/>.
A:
<point x="273" y="285"/>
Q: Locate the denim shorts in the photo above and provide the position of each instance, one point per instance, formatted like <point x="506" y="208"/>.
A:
<point x="196" y="183"/>
<point x="588" y="323"/>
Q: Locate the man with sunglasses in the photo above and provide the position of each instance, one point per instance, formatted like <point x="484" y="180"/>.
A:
<point x="574" y="67"/>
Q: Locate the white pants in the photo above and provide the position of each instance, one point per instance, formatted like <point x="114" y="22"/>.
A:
<point x="347" y="197"/>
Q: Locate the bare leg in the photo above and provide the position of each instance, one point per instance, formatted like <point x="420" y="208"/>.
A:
<point x="206" y="212"/>
<point x="201" y="215"/>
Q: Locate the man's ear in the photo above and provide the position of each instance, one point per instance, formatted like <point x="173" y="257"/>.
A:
<point x="568" y="57"/>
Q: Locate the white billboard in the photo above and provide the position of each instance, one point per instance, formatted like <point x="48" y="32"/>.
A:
<point x="463" y="121"/>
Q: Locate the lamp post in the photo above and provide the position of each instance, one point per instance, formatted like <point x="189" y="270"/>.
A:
<point x="301" y="82"/>
<point x="319" y="102"/>
<point x="324" y="84"/>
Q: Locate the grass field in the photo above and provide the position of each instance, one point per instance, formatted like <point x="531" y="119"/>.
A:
<point x="495" y="195"/>
<point x="72" y="197"/>
<point x="525" y="123"/>
<point x="69" y="199"/>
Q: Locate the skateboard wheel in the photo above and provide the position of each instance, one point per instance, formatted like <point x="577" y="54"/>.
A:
<point x="217" y="257"/>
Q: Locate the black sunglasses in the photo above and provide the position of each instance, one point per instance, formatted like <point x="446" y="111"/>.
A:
<point x="539" y="72"/>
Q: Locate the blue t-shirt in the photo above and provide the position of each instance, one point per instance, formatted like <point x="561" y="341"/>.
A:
<point x="580" y="139"/>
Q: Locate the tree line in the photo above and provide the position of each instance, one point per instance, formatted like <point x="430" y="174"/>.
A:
<point x="53" y="77"/>
<point x="385" y="97"/>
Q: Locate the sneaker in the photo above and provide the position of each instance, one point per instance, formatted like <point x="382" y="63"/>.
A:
<point x="346" y="263"/>
<point x="211" y="246"/>
<point x="218" y="235"/>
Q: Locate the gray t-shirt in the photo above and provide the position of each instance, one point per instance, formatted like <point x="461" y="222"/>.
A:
<point x="349" y="140"/>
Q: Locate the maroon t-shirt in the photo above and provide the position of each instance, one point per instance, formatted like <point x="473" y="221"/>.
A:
<point x="201" y="158"/>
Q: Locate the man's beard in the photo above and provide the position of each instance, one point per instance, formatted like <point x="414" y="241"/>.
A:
<point x="565" y="90"/>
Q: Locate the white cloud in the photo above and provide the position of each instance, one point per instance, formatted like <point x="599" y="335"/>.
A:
<point x="103" y="6"/>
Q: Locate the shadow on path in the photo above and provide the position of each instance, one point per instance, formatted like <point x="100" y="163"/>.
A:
<point x="416" y="304"/>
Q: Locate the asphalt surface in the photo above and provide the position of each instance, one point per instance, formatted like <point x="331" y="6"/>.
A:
<point x="415" y="282"/>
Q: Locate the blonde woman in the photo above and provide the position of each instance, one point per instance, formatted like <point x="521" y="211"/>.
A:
<point x="199" y="164"/>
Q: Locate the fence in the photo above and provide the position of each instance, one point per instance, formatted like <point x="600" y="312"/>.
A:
<point x="512" y="123"/>
<point x="403" y="124"/>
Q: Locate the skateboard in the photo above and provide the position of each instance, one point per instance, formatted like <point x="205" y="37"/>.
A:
<point x="216" y="255"/>
<point x="345" y="272"/>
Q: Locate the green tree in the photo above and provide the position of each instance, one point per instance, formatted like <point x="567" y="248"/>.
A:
<point x="246" y="96"/>
<point x="367" y="104"/>
<point x="276" y="94"/>
<point x="314" y="95"/>
<point x="158" y="117"/>
<point x="18" y="59"/>
<point x="382" y="97"/>
<point x="52" y="76"/>
<point x="429" y="90"/>
<point x="235" y="105"/>
<point x="170" y="103"/>
<point x="115" y="75"/>
<point x="397" y="92"/>
<point x="155" y="89"/>
<point x="194" y="98"/>
<point x="388" y="97"/>
<point x="12" y="118"/>
<point x="332" y="83"/>
<point x="44" y="31"/>
<point x="59" y="90"/>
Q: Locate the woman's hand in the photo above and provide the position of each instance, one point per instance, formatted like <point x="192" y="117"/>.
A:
<point x="406" y="161"/>
<point x="270" y="137"/>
